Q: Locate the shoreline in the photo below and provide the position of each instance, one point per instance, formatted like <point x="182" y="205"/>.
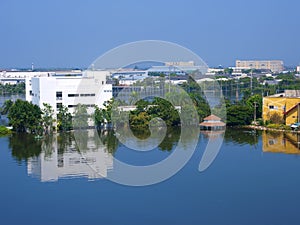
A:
<point x="254" y="127"/>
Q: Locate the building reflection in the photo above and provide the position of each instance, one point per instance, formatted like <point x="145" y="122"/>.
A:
<point x="281" y="142"/>
<point x="81" y="154"/>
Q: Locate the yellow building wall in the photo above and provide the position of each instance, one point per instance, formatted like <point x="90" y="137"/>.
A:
<point x="273" y="105"/>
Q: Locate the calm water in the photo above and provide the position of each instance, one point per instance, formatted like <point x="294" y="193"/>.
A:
<point x="253" y="180"/>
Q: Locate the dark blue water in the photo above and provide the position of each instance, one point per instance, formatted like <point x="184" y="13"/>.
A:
<point x="249" y="182"/>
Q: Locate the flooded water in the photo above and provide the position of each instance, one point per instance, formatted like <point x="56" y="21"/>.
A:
<point x="63" y="179"/>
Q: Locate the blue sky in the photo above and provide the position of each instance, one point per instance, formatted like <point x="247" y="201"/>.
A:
<point x="72" y="33"/>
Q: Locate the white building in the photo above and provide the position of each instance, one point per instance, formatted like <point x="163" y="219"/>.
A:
<point x="89" y="89"/>
<point x="93" y="162"/>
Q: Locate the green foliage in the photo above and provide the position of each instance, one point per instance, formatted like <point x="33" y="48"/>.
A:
<point x="18" y="88"/>
<point x="279" y="126"/>
<point x="24" y="116"/>
<point x="47" y="118"/>
<point x="108" y="106"/>
<point x="64" y="119"/>
<point x="255" y="101"/>
<point x="163" y="109"/>
<point x="239" y="115"/>
<point x="6" y="107"/>
<point x="140" y="120"/>
<point x="4" y="131"/>
<point x="99" y="116"/>
<point x="80" y="118"/>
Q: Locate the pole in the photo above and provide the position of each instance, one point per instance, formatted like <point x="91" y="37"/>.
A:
<point x="255" y="105"/>
<point x="298" y="116"/>
<point x="237" y="91"/>
<point x="251" y="82"/>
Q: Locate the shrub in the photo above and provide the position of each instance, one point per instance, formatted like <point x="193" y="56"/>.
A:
<point x="4" y="131"/>
<point x="278" y="126"/>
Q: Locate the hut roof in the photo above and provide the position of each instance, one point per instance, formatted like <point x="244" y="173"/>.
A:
<point x="212" y="118"/>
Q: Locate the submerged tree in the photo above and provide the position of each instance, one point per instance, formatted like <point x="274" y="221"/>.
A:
<point x="25" y="117"/>
<point x="80" y="118"/>
<point x="47" y="118"/>
<point x="64" y="119"/>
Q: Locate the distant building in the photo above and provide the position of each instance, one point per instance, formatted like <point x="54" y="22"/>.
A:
<point x="298" y="69"/>
<point x="273" y="65"/>
<point x="180" y="63"/>
<point x="285" y="105"/>
<point x="15" y="76"/>
<point x="88" y="89"/>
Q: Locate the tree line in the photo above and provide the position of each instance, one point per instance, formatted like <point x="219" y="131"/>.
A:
<point x="26" y="117"/>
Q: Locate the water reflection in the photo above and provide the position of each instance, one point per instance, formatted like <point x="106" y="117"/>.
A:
<point x="58" y="156"/>
<point x="242" y="136"/>
<point x="215" y="138"/>
<point x="281" y="142"/>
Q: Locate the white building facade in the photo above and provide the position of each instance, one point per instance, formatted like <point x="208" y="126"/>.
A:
<point x="89" y="88"/>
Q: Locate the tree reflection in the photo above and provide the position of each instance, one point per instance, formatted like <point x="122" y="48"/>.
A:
<point x="242" y="136"/>
<point x="24" y="146"/>
<point x="109" y="139"/>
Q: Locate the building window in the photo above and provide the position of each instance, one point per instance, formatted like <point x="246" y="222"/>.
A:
<point x="73" y="95"/>
<point x="87" y="95"/>
<point x="58" y="105"/>
<point x="58" y="95"/>
<point x="271" y="106"/>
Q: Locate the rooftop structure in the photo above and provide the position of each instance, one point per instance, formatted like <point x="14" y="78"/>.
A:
<point x="212" y="122"/>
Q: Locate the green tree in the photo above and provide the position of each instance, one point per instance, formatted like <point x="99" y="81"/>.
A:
<point x="98" y="116"/>
<point x="64" y="119"/>
<point x="239" y="115"/>
<point x="80" y="118"/>
<point x="24" y="116"/>
<point x="163" y="109"/>
<point x="47" y="118"/>
<point x="6" y="107"/>
<point x="255" y="103"/>
<point x="108" y="106"/>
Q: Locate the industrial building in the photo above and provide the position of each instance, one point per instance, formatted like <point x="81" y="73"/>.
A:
<point x="273" y="65"/>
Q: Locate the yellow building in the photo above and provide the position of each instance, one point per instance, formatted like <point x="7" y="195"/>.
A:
<point x="285" y="106"/>
<point x="280" y="142"/>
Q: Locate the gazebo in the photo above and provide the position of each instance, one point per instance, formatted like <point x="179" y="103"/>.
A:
<point x="212" y="122"/>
